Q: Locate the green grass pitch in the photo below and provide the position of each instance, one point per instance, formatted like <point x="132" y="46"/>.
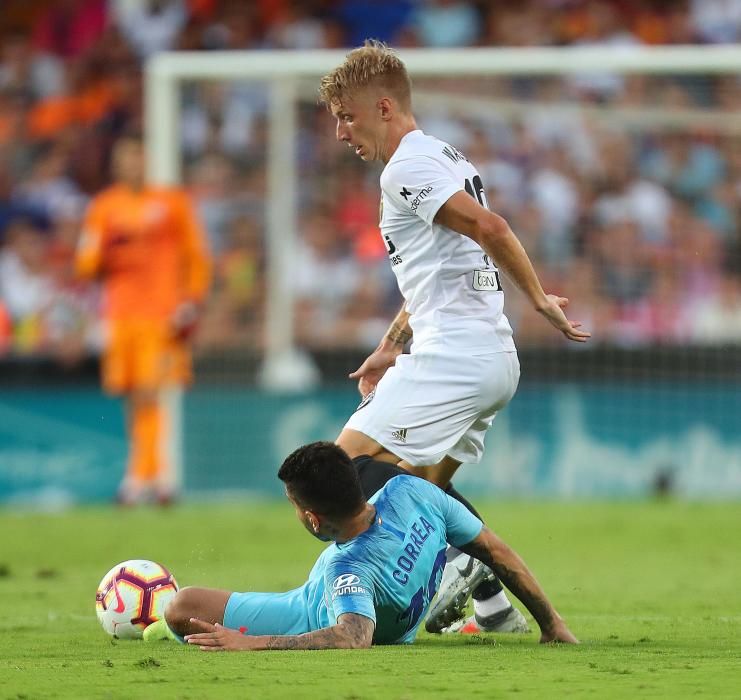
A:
<point x="651" y="589"/>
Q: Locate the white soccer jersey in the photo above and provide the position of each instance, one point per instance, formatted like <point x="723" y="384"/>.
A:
<point x="451" y="288"/>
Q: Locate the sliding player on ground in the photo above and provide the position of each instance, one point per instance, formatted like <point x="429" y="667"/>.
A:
<point x="429" y="410"/>
<point x="373" y="584"/>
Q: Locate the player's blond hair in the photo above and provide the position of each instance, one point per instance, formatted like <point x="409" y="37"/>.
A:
<point x="372" y="65"/>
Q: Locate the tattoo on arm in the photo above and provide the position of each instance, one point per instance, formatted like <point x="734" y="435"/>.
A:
<point x="397" y="334"/>
<point x="514" y="574"/>
<point x="350" y="632"/>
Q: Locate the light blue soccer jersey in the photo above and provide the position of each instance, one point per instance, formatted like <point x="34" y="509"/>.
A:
<point x="389" y="573"/>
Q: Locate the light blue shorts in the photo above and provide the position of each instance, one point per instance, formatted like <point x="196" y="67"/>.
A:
<point x="269" y="613"/>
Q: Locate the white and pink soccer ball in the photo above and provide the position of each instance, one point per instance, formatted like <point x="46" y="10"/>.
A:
<point x="133" y="595"/>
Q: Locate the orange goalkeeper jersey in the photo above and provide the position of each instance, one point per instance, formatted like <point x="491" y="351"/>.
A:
<point x="148" y="249"/>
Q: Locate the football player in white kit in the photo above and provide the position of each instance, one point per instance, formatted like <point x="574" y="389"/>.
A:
<point x="428" y="411"/>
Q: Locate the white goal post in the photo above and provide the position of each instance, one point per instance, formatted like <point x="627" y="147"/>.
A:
<point x="281" y="71"/>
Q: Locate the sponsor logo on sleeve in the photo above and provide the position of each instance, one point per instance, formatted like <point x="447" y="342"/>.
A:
<point x="346" y="584"/>
<point x="414" y="204"/>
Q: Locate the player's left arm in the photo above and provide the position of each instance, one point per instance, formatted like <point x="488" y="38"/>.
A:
<point x="197" y="267"/>
<point x="195" y="249"/>
<point x="514" y="573"/>
<point x="351" y="632"/>
<point x="462" y="213"/>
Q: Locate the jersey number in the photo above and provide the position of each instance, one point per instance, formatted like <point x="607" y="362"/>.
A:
<point x="421" y="599"/>
<point x="476" y="189"/>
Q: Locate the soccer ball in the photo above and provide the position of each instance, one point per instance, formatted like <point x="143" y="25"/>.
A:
<point x="133" y="595"/>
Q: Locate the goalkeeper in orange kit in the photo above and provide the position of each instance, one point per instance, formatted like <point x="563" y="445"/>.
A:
<point x="147" y="248"/>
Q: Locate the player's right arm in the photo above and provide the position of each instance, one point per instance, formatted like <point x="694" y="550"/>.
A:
<point x="462" y="213"/>
<point x="351" y="632"/>
<point x="470" y="535"/>
<point x="89" y="254"/>
<point x="514" y="573"/>
<point x="384" y="356"/>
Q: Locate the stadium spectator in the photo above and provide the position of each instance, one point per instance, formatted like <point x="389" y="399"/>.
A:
<point x="716" y="318"/>
<point x="381" y="19"/>
<point x="48" y="188"/>
<point x="555" y="195"/>
<point x="716" y="21"/>
<point x="445" y="23"/>
<point x="22" y="68"/>
<point x="357" y="205"/>
<point x="149" y="26"/>
<point x="70" y="325"/>
<point x="146" y="246"/>
<point x="10" y="207"/>
<point x="6" y="330"/>
<point x="26" y="288"/>
<point x="234" y="313"/>
<point x="69" y="28"/>
<point x="623" y="262"/>
<point x="236" y="25"/>
<point x="336" y="298"/>
<point x="220" y="118"/>
<point x="301" y="29"/>
<point x="656" y="318"/>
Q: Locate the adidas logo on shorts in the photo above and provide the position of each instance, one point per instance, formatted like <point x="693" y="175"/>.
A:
<point x="400" y="435"/>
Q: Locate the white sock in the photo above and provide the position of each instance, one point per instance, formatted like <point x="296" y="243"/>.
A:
<point x="491" y="606"/>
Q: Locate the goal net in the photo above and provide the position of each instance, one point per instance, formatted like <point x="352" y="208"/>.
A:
<point x="620" y="171"/>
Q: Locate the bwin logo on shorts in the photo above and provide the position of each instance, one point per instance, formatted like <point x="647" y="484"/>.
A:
<point x="400" y="435"/>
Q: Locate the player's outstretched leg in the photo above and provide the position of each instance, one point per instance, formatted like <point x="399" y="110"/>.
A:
<point x="464" y="578"/>
<point x="493" y="611"/>
<point x="207" y="604"/>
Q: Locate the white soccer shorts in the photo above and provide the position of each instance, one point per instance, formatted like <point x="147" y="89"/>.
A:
<point x="429" y="405"/>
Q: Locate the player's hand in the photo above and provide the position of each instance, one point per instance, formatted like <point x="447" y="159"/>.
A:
<point x="374" y="367"/>
<point x="554" y="314"/>
<point x="558" y="634"/>
<point x="218" y="638"/>
<point x="185" y="319"/>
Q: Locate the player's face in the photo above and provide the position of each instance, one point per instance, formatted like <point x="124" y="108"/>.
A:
<point x="128" y="163"/>
<point x="360" y="125"/>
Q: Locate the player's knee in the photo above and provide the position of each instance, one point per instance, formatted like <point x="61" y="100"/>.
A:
<point x="181" y="608"/>
<point x="144" y="396"/>
<point x="432" y="475"/>
<point x="440" y="481"/>
<point x="356" y="444"/>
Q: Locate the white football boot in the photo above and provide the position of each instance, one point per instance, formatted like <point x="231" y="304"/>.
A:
<point x="460" y="577"/>
<point x="509" y="620"/>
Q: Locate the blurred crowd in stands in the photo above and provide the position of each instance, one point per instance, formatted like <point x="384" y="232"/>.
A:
<point x="634" y="216"/>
